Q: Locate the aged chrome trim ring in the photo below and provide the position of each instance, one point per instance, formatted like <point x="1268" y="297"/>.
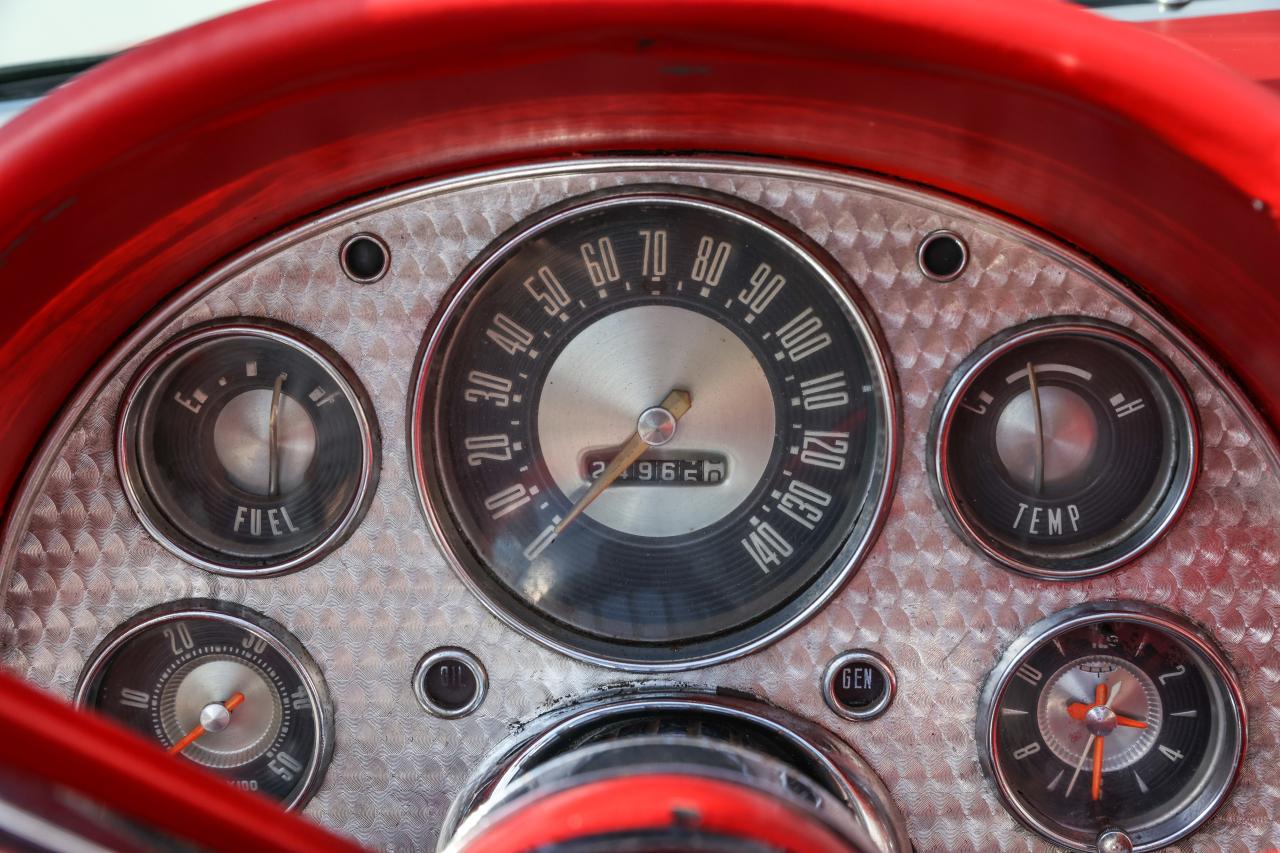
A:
<point x="462" y="656"/>
<point x="140" y="498"/>
<point x="858" y="656"/>
<point x="1166" y="512"/>
<point x="833" y="762"/>
<point x="275" y="634"/>
<point x="859" y="539"/>
<point x="929" y="239"/>
<point x="386" y="258"/>
<point x="1089" y="613"/>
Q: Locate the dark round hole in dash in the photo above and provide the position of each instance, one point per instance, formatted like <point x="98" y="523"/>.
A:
<point x="942" y="256"/>
<point x="365" y="258"/>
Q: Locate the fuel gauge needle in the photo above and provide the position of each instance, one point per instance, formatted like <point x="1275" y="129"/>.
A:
<point x="273" y="439"/>
<point x="675" y="405"/>
<point x="207" y="723"/>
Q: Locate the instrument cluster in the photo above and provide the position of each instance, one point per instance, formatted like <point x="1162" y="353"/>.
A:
<point x="350" y="508"/>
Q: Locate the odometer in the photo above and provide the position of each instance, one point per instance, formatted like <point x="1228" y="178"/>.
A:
<point x="654" y="427"/>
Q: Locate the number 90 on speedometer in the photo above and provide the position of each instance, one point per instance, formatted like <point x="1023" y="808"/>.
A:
<point x="654" y="428"/>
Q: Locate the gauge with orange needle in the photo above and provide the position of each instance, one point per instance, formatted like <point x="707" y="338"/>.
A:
<point x="221" y="686"/>
<point x="1112" y="724"/>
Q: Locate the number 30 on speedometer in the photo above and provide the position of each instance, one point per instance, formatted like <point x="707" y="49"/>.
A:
<point x="654" y="427"/>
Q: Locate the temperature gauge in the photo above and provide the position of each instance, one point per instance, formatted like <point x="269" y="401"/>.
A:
<point x="1064" y="447"/>
<point x="248" y="448"/>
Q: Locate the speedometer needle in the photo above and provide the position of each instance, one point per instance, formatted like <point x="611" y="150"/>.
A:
<point x="205" y="726"/>
<point x="676" y="404"/>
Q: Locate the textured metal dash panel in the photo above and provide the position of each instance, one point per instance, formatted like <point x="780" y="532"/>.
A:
<point x="77" y="562"/>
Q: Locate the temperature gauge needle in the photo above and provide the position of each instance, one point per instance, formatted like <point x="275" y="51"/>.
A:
<point x="675" y="405"/>
<point x="1035" y="401"/>
<point x="207" y="723"/>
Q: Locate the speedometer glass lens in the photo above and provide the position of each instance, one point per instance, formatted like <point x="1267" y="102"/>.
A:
<point x="654" y="427"/>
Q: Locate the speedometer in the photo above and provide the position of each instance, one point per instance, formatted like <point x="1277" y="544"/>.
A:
<point x="654" y="427"/>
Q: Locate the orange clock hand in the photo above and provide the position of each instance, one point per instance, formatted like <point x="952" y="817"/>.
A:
<point x="1078" y="711"/>
<point x="1096" y="790"/>
<point x="196" y="733"/>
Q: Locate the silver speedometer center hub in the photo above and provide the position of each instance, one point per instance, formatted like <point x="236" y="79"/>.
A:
<point x="625" y="362"/>
<point x="656" y="426"/>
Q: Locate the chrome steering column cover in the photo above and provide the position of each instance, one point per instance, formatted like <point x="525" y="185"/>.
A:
<point x="822" y="774"/>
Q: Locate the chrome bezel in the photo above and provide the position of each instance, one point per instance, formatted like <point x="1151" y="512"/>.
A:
<point x="831" y="761"/>
<point x="275" y="634"/>
<point x="148" y="509"/>
<point x="735" y="642"/>
<point x="858" y="656"/>
<point x="386" y="257"/>
<point x="1216" y="782"/>
<point x="931" y="237"/>
<point x="1182" y="473"/>
<point x="461" y="656"/>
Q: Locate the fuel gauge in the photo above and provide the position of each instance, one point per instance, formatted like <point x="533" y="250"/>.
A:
<point x="248" y="447"/>
<point x="1064" y="447"/>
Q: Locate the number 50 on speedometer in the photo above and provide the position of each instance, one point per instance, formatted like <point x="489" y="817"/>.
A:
<point x="654" y="427"/>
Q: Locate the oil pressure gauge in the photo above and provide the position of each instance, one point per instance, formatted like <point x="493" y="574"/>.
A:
<point x="221" y="686"/>
<point x="1064" y="447"/>
<point x="248" y="447"/>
